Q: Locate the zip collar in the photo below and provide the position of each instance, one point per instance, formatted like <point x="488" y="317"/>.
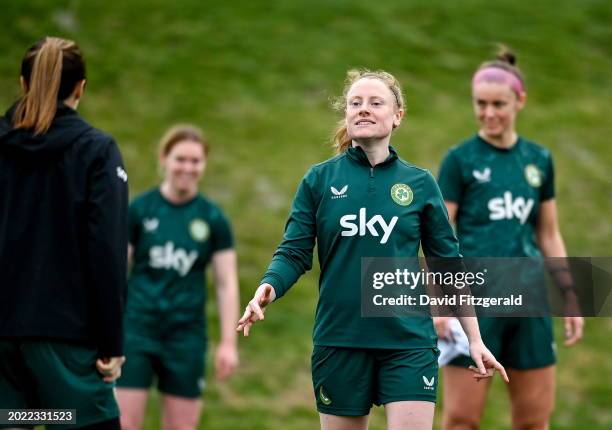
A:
<point x="357" y="154"/>
<point x="497" y="148"/>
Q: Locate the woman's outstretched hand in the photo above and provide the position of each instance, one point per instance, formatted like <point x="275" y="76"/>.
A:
<point x="486" y="364"/>
<point x="256" y="308"/>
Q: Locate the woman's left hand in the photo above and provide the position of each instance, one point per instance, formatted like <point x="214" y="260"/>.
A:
<point x="110" y="367"/>
<point x="485" y="362"/>
<point x="226" y="360"/>
<point x="574" y="327"/>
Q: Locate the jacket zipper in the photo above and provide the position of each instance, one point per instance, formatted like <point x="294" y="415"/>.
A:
<point x="371" y="187"/>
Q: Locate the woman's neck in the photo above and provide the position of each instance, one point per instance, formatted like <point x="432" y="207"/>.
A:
<point x="503" y="141"/>
<point x="377" y="152"/>
<point x="176" y="196"/>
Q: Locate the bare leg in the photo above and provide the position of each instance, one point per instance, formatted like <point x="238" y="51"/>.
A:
<point x="181" y="413"/>
<point x="464" y="399"/>
<point x="414" y="415"/>
<point x="132" y="404"/>
<point x="532" y="394"/>
<point x="334" y="422"/>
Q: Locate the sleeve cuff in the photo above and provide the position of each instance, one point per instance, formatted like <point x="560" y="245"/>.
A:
<point x="276" y="283"/>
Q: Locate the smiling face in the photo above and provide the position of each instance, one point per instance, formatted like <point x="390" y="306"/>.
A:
<point x="371" y="111"/>
<point x="496" y="106"/>
<point x="183" y="166"/>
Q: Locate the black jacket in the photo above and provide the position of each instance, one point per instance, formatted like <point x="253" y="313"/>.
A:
<point x="63" y="234"/>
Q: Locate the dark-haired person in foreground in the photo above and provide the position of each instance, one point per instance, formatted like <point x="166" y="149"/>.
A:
<point x="63" y="247"/>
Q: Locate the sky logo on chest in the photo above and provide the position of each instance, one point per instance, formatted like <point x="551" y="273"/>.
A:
<point x="508" y="207"/>
<point x="361" y="225"/>
<point x="170" y="258"/>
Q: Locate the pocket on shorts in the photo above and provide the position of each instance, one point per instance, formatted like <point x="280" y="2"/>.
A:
<point x="436" y="352"/>
<point x="78" y="359"/>
<point x="320" y="361"/>
<point x="320" y="354"/>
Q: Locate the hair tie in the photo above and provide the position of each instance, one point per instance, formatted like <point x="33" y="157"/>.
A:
<point x="498" y="75"/>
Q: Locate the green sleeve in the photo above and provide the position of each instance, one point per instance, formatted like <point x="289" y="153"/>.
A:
<point x="221" y="232"/>
<point x="293" y="257"/>
<point x="450" y="179"/>
<point x="134" y="223"/>
<point x="548" y="187"/>
<point x="437" y="238"/>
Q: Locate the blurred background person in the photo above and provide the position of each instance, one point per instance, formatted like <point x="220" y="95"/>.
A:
<point x="175" y="232"/>
<point x="497" y="167"/>
<point x="63" y="241"/>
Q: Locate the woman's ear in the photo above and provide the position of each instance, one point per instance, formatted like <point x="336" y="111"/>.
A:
<point x="79" y="89"/>
<point x="522" y="99"/>
<point x="75" y="97"/>
<point x="397" y="118"/>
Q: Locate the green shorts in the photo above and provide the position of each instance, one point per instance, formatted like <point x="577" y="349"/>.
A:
<point x="517" y="343"/>
<point x="348" y="381"/>
<point x="176" y="362"/>
<point x="54" y="375"/>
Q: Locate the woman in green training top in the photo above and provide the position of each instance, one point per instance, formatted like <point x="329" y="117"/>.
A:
<point x="499" y="190"/>
<point x="174" y="233"/>
<point x="366" y="202"/>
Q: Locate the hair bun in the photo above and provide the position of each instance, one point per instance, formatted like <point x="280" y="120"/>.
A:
<point x="505" y="55"/>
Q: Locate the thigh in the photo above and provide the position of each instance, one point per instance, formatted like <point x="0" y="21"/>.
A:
<point x="334" y="422"/>
<point x="463" y="398"/>
<point x="407" y="375"/>
<point x="181" y="413"/>
<point x="182" y="364"/>
<point x="532" y="394"/>
<point x="138" y="370"/>
<point x="530" y="345"/>
<point x="132" y="404"/>
<point x="415" y="415"/>
<point x="343" y="381"/>
<point x="66" y="378"/>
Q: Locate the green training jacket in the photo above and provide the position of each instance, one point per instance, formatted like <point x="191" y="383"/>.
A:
<point x="173" y="244"/>
<point x="353" y="210"/>
<point x="499" y="192"/>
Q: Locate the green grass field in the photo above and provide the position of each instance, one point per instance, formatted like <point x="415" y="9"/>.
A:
<point x="258" y="77"/>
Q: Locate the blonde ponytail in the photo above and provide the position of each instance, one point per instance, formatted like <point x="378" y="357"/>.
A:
<point x="44" y="63"/>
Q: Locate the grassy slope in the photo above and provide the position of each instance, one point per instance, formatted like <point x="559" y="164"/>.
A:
<point x="258" y="77"/>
